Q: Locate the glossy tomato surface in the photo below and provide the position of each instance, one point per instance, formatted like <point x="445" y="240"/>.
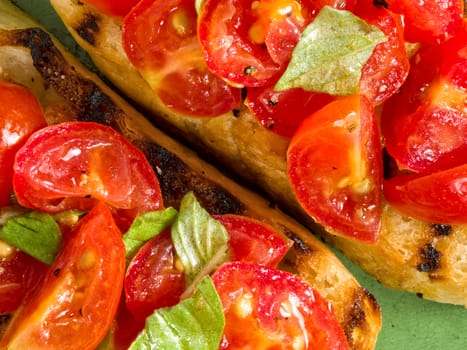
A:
<point x="72" y="165"/>
<point x="19" y="274"/>
<point x="425" y="125"/>
<point x="75" y="303"/>
<point x="438" y="197"/>
<point x="152" y="279"/>
<point x="20" y="115"/>
<point x="253" y="241"/>
<point x="334" y="164"/>
<point x="272" y="309"/>
<point x="160" y="39"/>
<point x="117" y="8"/>
<point x="249" y="43"/>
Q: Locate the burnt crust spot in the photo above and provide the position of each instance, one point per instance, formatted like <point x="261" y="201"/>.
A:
<point x="300" y="246"/>
<point x="88" y="28"/>
<point x="430" y="257"/>
<point x="441" y="229"/>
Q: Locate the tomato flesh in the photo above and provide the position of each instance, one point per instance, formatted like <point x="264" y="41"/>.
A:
<point x="152" y="280"/>
<point x="253" y="241"/>
<point x="72" y="165"/>
<point x="75" y="303"/>
<point x="161" y="41"/>
<point x="20" y="115"/>
<point x="267" y="308"/>
<point x="116" y="8"/>
<point x="334" y="164"/>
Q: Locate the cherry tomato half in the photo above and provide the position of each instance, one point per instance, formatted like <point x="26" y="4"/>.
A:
<point x="152" y="279"/>
<point x="160" y="39"/>
<point x="334" y="164"/>
<point x="20" y="115"/>
<point x="436" y="198"/>
<point x="74" y="305"/>
<point x="253" y="241"/>
<point x="249" y="43"/>
<point x="117" y="8"/>
<point x="72" y="165"/>
<point x="19" y="274"/>
<point x="425" y="125"/>
<point x="272" y="309"/>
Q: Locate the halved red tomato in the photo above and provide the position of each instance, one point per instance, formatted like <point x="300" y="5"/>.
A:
<point x="429" y="21"/>
<point x="117" y="8"/>
<point x="160" y="39"/>
<point x="388" y="66"/>
<point x="152" y="279"/>
<point x="334" y="163"/>
<point x="253" y="241"/>
<point x="283" y="111"/>
<point x="19" y="274"/>
<point x="249" y="43"/>
<point x="75" y="303"/>
<point x="425" y="125"/>
<point x="21" y="115"/>
<point x="72" y="165"/>
<point x="271" y="309"/>
<point x="438" y="198"/>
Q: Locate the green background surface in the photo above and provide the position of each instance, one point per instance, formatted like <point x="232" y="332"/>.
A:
<point x="409" y="323"/>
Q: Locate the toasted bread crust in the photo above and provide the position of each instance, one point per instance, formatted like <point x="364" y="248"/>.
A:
<point x="408" y="255"/>
<point x="68" y="91"/>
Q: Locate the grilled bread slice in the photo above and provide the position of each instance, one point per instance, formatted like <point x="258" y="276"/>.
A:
<point x="420" y="257"/>
<point x="68" y="91"/>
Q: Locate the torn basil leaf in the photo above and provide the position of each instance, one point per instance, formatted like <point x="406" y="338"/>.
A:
<point x="194" y="323"/>
<point x="331" y="53"/>
<point x="34" y="233"/>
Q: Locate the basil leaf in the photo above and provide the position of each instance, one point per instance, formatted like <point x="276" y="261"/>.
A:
<point x="194" y="323"/>
<point x="200" y="241"/>
<point x="331" y="53"/>
<point x="145" y="227"/>
<point x="34" y="233"/>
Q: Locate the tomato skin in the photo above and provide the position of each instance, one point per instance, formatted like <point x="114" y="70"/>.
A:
<point x="425" y="125"/>
<point x="283" y="111"/>
<point x="20" y="115"/>
<point x="341" y="191"/>
<point x="253" y="241"/>
<point x="250" y="43"/>
<point x="388" y="66"/>
<point x="438" y="197"/>
<point x="267" y="308"/>
<point x="19" y="274"/>
<point x="429" y="21"/>
<point x="174" y="67"/>
<point x="116" y="8"/>
<point x="75" y="303"/>
<point x="152" y="281"/>
<point x="72" y="165"/>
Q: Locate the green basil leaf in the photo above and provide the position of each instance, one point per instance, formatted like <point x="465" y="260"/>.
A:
<point x="194" y="323"/>
<point x="34" y="233"/>
<point x="145" y="227"/>
<point x="200" y="241"/>
<point x="331" y="53"/>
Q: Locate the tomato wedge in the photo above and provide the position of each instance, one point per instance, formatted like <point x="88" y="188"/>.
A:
<point x="249" y="43"/>
<point x="438" y="198"/>
<point x="253" y="241"/>
<point x="72" y="165"/>
<point x="273" y="309"/>
<point x="116" y="8"/>
<point x="77" y="300"/>
<point x="334" y="162"/>
<point x="160" y="39"/>
<point x="21" y="115"/>
<point x="152" y="279"/>
<point x="425" y="125"/>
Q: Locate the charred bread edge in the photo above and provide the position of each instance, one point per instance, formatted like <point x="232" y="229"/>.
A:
<point x="410" y="255"/>
<point x="357" y="309"/>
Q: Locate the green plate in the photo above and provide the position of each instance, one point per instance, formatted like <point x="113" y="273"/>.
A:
<point x="409" y="323"/>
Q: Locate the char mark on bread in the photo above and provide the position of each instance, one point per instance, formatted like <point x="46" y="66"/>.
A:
<point x="88" y="28"/>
